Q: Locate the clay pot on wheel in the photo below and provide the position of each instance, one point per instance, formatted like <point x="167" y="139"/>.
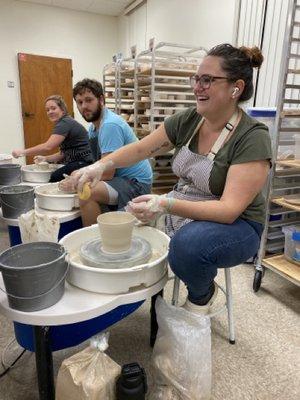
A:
<point x="116" y="231"/>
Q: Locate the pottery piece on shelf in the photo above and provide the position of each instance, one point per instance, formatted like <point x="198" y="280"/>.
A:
<point x="125" y="116"/>
<point x="293" y="199"/>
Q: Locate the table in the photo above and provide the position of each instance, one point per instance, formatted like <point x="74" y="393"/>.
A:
<point x="76" y="306"/>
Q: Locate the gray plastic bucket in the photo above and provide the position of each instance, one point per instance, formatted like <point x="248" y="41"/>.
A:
<point x="16" y="200"/>
<point x="10" y="174"/>
<point x="34" y="275"/>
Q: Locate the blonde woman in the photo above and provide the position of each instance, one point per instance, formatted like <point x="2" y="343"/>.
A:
<point x="69" y="135"/>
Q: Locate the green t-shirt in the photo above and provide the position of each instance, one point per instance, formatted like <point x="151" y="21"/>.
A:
<point x="250" y="142"/>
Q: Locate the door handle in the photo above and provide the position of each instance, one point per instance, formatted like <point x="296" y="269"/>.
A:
<point x="27" y="114"/>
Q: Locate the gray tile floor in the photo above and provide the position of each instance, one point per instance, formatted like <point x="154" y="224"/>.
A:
<point x="262" y="365"/>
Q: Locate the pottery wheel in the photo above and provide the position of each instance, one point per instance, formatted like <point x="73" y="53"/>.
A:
<point x="139" y="253"/>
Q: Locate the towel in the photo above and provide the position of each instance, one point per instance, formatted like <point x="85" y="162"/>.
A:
<point x="35" y="227"/>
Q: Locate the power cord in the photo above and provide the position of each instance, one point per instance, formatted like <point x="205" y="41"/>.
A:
<point x="10" y="366"/>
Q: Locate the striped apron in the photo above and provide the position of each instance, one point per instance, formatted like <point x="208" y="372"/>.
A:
<point x="194" y="171"/>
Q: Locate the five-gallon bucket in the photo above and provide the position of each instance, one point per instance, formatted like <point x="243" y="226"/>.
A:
<point x="16" y="200"/>
<point x="10" y="174"/>
<point x="34" y="275"/>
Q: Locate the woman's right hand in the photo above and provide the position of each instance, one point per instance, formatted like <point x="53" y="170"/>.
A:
<point x="17" y="153"/>
<point x="39" y="159"/>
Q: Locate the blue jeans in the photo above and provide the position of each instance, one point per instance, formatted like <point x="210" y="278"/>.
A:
<point x="199" y="248"/>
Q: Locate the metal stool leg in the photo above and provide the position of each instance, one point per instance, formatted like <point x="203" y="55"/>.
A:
<point x="229" y="301"/>
<point x="175" y="291"/>
<point x="229" y="304"/>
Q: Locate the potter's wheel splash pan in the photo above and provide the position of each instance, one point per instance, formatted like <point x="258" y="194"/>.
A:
<point x="116" y="280"/>
<point x="49" y="197"/>
<point x="139" y="253"/>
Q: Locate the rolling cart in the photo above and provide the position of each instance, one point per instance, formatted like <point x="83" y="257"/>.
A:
<point x="284" y="179"/>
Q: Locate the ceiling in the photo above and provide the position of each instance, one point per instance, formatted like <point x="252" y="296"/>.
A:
<point x="104" y="7"/>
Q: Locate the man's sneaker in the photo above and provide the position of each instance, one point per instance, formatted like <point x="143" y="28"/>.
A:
<point x="204" y="310"/>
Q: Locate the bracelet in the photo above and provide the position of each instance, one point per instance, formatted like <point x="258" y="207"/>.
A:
<point x="170" y="204"/>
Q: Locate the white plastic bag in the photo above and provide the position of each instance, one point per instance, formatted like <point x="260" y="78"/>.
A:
<point x="181" y="360"/>
<point x="35" y="227"/>
<point x="88" y="375"/>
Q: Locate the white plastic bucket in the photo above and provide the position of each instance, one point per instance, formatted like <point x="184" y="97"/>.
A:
<point x="266" y="115"/>
<point x="289" y="244"/>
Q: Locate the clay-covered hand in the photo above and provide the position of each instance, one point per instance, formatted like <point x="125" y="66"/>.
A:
<point x="67" y="185"/>
<point x="39" y="159"/>
<point x="148" y="207"/>
<point x="92" y="173"/>
<point x="17" y="153"/>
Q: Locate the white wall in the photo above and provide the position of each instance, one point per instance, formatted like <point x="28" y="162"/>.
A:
<point x="210" y="22"/>
<point x="89" y="40"/>
<point x="250" y="32"/>
<point x="191" y="22"/>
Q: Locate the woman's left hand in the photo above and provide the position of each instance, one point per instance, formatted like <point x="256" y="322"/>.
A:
<point x="17" y="153"/>
<point x="148" y="207"/>
<point x="39" y="159"/>
<point x="67" y="185"/>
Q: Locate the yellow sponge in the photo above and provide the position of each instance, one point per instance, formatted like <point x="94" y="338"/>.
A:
<point x="86" y="192"/>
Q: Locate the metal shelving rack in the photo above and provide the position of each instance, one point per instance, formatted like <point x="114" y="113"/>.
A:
<point x="284" y="177"/>
<point x="162" y="88"/>
<point x="109" y="85"/>
<point x="118" y="87"/>
<point x="125" y="89"/>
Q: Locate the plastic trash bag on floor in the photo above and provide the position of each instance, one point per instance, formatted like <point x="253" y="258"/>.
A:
<point x="88" y="375"/>
<point x="181" y="360"/>
<point x="35" y="227"/>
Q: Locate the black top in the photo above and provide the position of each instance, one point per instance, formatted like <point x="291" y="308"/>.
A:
<point x="75" y="146"/>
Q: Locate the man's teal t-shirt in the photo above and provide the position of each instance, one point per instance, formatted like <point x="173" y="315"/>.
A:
<point x="113" y="134"/>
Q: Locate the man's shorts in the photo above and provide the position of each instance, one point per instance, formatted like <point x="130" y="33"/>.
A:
<point x="127" y="189"/>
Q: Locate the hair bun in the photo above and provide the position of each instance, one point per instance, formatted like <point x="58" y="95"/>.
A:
<point x="254" y="54"/>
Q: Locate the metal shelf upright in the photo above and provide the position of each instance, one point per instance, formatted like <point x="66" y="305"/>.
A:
<point x="109" y="85"/>
<point x="125" y="89"/>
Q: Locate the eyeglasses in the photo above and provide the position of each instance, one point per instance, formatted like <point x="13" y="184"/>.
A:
<point x="204" y="81"/>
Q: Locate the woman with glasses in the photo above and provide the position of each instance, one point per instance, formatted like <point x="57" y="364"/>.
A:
<point x="215" y="213"/>
<point x="69" y="135"/>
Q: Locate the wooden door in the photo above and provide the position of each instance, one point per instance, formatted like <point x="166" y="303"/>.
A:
<point x="41" y="77"/>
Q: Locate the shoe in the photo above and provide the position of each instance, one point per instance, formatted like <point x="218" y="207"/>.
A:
<point x="204" y="310"/>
